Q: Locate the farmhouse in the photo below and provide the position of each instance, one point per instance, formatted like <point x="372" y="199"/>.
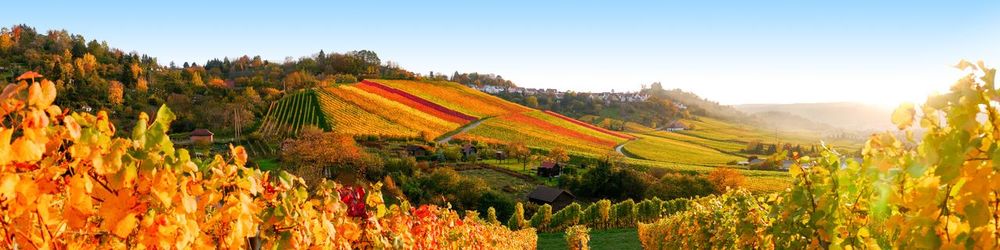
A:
<point x="202" y="136"/>
<point x="549" y="169"/>
<point x="675" y="126"/>
<point x="557" y="198"/>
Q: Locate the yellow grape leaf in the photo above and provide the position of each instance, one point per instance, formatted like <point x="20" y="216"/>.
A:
<point x="5" y="135"/>
<point x="72" y="127"/>
<point x="795" y="170"/>
<point x="7" y="185"/>
<point x="25" y="151"/>
<point x="380" y="211"/>
<point x="902" y="117"/>
<point x="48" y="93"/>
<point x="239" y="155"/>
<point x="124" y="226"/>
<point x="189" y="202"/>
<point x="35" y="95"/>
<point x="74" y="218"/>
<point x="43" y="206"/>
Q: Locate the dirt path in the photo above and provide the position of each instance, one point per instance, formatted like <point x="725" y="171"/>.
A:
<point x="620" y="146"/>
<point x="464" y="129"/>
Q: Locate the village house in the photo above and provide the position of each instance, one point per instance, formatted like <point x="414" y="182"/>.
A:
<point x="549" y="169"/>
<point x="202" y="136"/>
<point x="557" y="198"/>
<point x="675" y="126"/>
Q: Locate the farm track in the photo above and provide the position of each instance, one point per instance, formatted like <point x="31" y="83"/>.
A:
<point x="447" y="137"/>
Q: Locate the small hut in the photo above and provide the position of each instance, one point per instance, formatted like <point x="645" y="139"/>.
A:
<point x="557" y="198"/>
<point x="469" y="152"/>
<point x="202" y="136"/>
<point x="549" y="169"/>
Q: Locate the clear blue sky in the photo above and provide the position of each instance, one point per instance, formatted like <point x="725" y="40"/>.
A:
<point x="731" y="51"/>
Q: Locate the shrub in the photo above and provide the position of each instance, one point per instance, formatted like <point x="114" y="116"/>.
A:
<point x="516" y="220"/>
<point x="726" y="178"/>
<point x="566" y="217"/>
<point x="540" y="221"/>
<point x="672" y="186"/>
<point x="623" y="213"/>
<point x="649" y="210"/>
<point x="491" y="216"/>
<point x="578" y="237"/>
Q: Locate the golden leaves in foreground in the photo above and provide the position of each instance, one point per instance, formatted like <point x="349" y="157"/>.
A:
<point x="67" y="182"/>
<point x="939" y="192"/>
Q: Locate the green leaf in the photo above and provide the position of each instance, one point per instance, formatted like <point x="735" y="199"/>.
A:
<point x="165" y="116"/>
<point x="977" y="213"/>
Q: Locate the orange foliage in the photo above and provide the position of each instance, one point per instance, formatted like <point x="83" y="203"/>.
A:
<point x="417" y="103"/>
<point x="67" y="183"/>
<point x="456" y="97"/>
<point x="724" y="178"/>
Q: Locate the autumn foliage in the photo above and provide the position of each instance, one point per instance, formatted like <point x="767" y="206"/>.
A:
<point x="939" y="192"/>
<point x="67" y="182"/>
<point x="726" y="178"/>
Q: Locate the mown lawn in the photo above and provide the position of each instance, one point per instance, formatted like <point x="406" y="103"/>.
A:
<point x="617" y="239"/>
<point x="267" y="164"/>
<point x="515" y="188"/>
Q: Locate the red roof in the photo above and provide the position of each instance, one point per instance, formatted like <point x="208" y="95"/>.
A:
<point x="548" y="164"/>
<point x="201" y="132"/>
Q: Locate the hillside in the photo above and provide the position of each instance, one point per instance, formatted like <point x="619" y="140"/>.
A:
<point x="429" y="109"/>
<point x="840" y="115"/>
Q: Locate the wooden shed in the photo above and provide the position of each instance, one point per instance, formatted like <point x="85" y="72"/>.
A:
<point x="202" y="136"/>
<point x="549" y="169"/>
<point x="557" y="198"/>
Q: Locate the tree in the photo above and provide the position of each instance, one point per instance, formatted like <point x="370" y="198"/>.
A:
<point x="196" y="79"/>
<point x="726" y="178"/>
<point x="673" y="186"/>
<point x="136" y="72"/>
<point x="316" y="154"/>
<point x="558" y="155"/>
<point x="115" y="92"/>
<point x="520" y="152"/>
<point x="5" y="42"/>
<point x="532" y="101"/>
<point x="252" y="96"/>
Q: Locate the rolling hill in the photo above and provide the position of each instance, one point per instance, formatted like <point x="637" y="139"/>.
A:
<point x="429" y="109"/>
<point x="842" y="115"/>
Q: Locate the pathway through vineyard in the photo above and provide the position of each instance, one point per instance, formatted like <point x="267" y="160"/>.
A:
<point x="461" y="130"/>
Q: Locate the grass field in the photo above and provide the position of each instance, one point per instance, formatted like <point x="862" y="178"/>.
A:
<point x="615" y="239"/>
<point x="515" y="188"/>
<point x="757" y="181"/>
<point x="267" y="164"/>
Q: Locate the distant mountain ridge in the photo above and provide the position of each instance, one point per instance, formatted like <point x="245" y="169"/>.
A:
<point x="843" y="115"/>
